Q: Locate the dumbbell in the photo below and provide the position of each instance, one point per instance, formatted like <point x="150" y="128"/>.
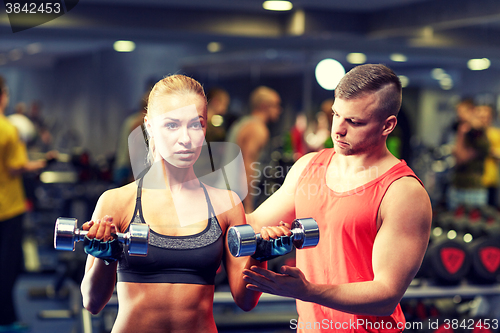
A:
<point x="446" y="261"/>
<point x="66" y="234"/>
<point x="485" y="255"/>
<point x="242" y="240"/>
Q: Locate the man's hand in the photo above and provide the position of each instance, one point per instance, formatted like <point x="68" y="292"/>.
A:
<point x="291" y="283"/>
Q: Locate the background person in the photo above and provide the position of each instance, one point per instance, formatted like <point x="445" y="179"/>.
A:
<point x="218" y="102"/>
<point x="171" y="289"/>
<point x="122" y="170"/>
<point x="491" y="176"/>
<point x="251" y="133"/>
<point x="13" y="163"/>
<point x="374" y="215"/>
<point x="470" y="149"/>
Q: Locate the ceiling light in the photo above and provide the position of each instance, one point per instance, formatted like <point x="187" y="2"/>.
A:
<point x="405" y="81"/>
<point x="214" y="47"/>
<point x="34" y="48"/>
<point x="15" y="54"/>
<point x="356" y="58"/>
<point x="124" y="46"/>
<point x="478" y="64"/>
<point x="277" y="5"/>
<point x="328" y="73"/>
<point x="438" y="73"/>
<point x="298" y="23"/>
<point x="398" y="57"/>
<point x="446" y="82"/>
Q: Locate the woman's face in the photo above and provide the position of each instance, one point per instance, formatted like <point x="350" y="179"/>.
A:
<point x="177" y="124"/>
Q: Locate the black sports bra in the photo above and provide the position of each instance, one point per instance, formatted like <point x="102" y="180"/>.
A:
<point x="192" y="259"/>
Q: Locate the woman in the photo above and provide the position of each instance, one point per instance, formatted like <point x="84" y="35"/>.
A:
<point x="172" y="288"/>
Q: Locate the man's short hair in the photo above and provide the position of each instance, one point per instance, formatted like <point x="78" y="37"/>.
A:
<point x="216" y="92"/>
<point x="261" y="95"/>
<point x="371" y="78"/>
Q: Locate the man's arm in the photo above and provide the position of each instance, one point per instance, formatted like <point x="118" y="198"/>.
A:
<point x="398" y="251"/>
<point x="18" y="162"/>
<point x="252" y="139"/>
<point x="280" y="206"/>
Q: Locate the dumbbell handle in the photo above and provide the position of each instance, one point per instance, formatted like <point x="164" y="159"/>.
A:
<point x="122" y="237"/>
<point x="297" y="234"/>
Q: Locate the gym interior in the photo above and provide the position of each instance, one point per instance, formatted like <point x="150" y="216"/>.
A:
<point x="79" y="76"/>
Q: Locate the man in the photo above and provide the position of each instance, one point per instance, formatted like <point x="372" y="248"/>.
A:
<point x="374" y="217"/>
<point x="122" y="169"/>
<point x="251" y="133"/>
<point x="218" y="101"/>
<point x="491" y="176"/>
<point x="13" y="162"/>
<point x="470" y="149"/>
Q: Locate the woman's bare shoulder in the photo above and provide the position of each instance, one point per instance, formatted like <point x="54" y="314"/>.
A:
<point x="222" y="196"/>
<point x="117" y="202"/>
<point x="227" y="204"/>
<point x="120" y="193"/>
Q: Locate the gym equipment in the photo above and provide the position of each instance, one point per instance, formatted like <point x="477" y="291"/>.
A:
<point x="480" y="228"/>
<point x="446" y="260"/>
<point x="242" y="240"/>
<point x="485" y="255"/>
<point x="66" y="234"/>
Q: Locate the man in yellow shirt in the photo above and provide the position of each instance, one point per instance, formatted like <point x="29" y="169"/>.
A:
<point x="491" y="177"/>
<point x="13" y="162"/>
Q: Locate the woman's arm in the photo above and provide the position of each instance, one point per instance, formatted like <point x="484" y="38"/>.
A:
<point x="246" y="299"/>
<point x="99" y="280"/>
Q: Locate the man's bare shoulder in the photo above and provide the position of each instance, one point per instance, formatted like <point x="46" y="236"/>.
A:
<point x="302" y="162"/>
<point x="298" y="167"/>
<point x="410" y="184"/>
<point x="408" y="193"/>
<point x="255" y="128"/>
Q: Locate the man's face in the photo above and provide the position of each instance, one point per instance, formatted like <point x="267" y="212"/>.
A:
<point x="356" y="128"/>
<point x="484" y="115"/>
<point x="273" y="105"/>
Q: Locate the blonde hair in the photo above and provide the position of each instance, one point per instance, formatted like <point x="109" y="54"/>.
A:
<point x="175" y="85"/>
<point x="179" y="85"/>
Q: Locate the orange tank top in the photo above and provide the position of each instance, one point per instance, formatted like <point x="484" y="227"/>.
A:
<point x="348" y="226"/>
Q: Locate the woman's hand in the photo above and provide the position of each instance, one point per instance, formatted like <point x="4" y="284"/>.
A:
<point x="274" y="232"/>
<point x="99" y="241"/>
<point x="101" y="229"/>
